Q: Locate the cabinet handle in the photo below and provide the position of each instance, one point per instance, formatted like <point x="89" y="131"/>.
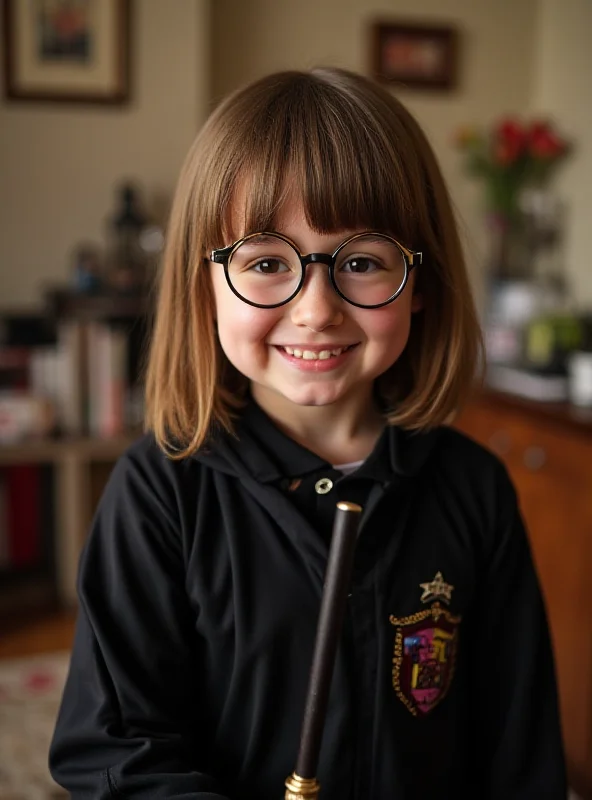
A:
<point x="500" y="442"/>
<point x="534" y="458"/>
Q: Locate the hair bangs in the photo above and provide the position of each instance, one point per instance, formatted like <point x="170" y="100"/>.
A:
<point x="309" y="140"/>
<point x="349" y="177"/>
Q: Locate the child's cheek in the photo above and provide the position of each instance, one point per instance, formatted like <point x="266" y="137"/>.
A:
<point x="388" y="321"/>
<point x="243" y="325"/>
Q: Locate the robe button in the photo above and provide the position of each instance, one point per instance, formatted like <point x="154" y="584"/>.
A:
<point x="323" y="486"/>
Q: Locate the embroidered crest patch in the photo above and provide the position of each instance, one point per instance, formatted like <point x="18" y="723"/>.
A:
<point x="424" y="657"/>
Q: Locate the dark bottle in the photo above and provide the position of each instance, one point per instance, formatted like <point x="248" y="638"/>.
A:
<point x="127" y="258"/>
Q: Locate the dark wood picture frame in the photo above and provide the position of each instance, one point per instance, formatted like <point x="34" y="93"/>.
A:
<point x="77" y="61"/>
<point x="415" y="55"/>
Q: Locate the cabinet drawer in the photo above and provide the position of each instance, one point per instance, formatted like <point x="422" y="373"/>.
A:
<point x="527" y="445"/>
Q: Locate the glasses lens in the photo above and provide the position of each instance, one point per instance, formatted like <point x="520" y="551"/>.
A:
<point x="265" y="270"/>
<point x="370" y="270"/>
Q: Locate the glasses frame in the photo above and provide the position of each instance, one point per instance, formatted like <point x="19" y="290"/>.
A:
<point x="411" y="259"/>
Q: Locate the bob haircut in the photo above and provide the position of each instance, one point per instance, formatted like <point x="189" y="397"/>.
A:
<point x="360" y="161"/>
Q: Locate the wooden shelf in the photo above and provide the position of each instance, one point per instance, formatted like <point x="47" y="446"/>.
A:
<point x="50" y="450"/>
<point x="79" y="329"/>
<point x="67" y="304"/>
<point x="563" y="415"/>
<point x="77" y="486"/>
<point x="31" y="594"/>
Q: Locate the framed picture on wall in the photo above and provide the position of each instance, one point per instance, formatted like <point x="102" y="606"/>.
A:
<point x="415" y="55"/>
<point x="67" y="51"/>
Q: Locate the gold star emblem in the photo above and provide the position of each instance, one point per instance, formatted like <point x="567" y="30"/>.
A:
<point x="436" y="588"/>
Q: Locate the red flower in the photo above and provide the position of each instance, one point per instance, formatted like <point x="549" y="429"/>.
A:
<point x="544" y="143"/>
<point x="511" y="156"/>
<point x="509" y="142"/>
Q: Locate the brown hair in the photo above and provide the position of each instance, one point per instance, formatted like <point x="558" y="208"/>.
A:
<point x="360" y="160"/>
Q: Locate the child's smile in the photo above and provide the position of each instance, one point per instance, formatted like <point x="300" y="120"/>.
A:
<point x="319" y="357"/>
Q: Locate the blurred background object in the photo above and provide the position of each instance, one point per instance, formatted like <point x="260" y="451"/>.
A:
<point x="531" y="323"/>
<point x="135" y="244"/>
<point x="96" y="119"/>
<point x="516" y="162"/>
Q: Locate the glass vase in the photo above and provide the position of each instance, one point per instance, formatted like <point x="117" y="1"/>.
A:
<point x="508" y="249"/>
<point x="542" y="215"/>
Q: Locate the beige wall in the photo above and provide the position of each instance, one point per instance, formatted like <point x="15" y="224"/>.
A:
<point x="252" y="37"/>
<point x="563" y="90"/>
<point x="59" y="164"/>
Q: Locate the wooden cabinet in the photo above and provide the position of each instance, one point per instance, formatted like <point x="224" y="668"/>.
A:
<point x="548" y="452"/>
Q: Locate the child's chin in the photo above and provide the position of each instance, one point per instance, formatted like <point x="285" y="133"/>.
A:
<point x="313" y="398"/>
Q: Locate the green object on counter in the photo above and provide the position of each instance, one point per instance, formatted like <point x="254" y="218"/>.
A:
<point x="548" y="340"/>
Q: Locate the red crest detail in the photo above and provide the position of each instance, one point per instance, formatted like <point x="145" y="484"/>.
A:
<point x="424" y="657"/>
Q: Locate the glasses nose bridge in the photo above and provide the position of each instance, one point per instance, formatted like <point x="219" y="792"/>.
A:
<point x="316" y="258"/>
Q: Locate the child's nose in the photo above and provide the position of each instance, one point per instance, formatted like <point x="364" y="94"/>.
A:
<point x="317" y="306"/>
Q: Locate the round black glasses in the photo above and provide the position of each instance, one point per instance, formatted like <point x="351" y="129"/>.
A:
<point x="266" y="269"/>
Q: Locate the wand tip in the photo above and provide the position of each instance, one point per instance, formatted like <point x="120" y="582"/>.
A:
<point x="344" y="505"/>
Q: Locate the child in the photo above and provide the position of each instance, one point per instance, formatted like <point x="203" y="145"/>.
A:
<point x="314" y="332"/>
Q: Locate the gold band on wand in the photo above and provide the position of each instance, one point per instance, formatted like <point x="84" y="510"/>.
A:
<point x="302" y="784"/>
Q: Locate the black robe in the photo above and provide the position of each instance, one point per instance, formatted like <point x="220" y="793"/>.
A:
<point x="200" y="586"/>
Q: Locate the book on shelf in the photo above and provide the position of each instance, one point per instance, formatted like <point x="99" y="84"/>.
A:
<point x="107" y="376"/>
<point x="89" y="376"/>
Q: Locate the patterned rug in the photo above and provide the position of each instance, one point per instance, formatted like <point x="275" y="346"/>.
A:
<point x="30" y="691"/>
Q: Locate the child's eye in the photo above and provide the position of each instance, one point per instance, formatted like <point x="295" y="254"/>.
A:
<point x="360" y="265"/>
<point x="269" y="266"/>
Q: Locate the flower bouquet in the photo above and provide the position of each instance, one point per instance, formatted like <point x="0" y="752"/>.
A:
<point x="516" y="162"/>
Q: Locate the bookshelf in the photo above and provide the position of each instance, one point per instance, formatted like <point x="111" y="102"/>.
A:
<point x="95" y="385"/>
<point x="64" y="304"/>
<point x="81" y="467"/>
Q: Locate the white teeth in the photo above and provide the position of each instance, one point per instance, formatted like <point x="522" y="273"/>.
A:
<point x="312" y="355"/>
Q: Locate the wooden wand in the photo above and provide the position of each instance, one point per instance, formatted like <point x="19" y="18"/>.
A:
<point x="302" y="784"/>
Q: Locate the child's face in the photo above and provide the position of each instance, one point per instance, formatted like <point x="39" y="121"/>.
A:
<point x="317" y="319"/>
